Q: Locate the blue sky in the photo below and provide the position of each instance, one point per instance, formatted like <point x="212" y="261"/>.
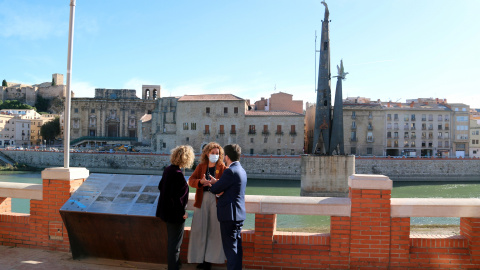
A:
<point x="393" y="50"/>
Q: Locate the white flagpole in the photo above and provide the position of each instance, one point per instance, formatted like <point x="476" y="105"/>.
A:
<point x="66" y="118"/>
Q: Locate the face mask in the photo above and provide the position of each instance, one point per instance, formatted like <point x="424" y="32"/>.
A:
<point x="213" y="158"/>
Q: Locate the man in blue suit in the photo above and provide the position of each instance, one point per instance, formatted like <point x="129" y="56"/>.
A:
<point x="230" y="190"/>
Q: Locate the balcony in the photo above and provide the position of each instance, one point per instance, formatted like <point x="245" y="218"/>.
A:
<point x="221" y="132"/>
<point x="412" y="128"/>
<point x="354" y="139"/>
<point x="265" y="132"/>
<point x="293" y="133"/>
<point x="370" y="127"/>
<point x="354" y="117"/>
<point x="206" y="132"/>
<point x="370" y="140"/>
<point x="252" y="132"/>
<point x="233" y="132"/>
<point x="279" y="133"/>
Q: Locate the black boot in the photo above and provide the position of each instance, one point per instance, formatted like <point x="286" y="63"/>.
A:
<point x="205" y="266"/>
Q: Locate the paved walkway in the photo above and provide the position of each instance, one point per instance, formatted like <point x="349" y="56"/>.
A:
<point x="26" y="258"/>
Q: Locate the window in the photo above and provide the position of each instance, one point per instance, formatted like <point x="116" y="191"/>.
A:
<point x="424" y="117"/>
<point x="235" y="110"/>
<point x="395" y="135"/>
<point x="292" y="140"/>
<point x="265" y="130"/>
<point x="412" y="144"/>
<point x="430" y="135"/>
<point x="395" y="126"/>
<point x="264" y="151"/>
<point x="279" y="130"/>
<point x="225" y="110"/>
<point x="265" y="140"/>
<point x="370" y="116"/>
<point x="447" y="117"/>
<point x="446" y="135"/>
<point x="292" y="130"/>
<point x="353" y="136"/>
<point x="278" y="152"/>
<point x="389" y="117"/>
<point x="430" y="117"/>
<point x="187" y="139"/>
<point x="412" y="126"/>
<point x="456" y="109"/>
<point x="292" y="152"/>
<point x="207" y="129"/>
<point x="353" y="150"/>
<point x="430" y="144"/>
<point x="369" y="137"/>
<point x="405" y="135"/>
<point x="193" y="126"/>
<point x="430" y="126"/>
<point x="233" y="130"/>
<point x="354" y="125"/>
<point x="395" y="117"/>
<point x="447" y="126"/>
<point x="354" y="114"/>
<point x="447" y="144"/>
<point x="389" y="125"/>
<point x="185" y="126"/>
<point x="279" y="140"/>
<point x="406" y="117"/>
<point x="464" y="109"/>
<point x="405" y="144"/>
<point x="389" y="134"/>
<point x="251" y="140"/>
<point x="439" y="135"/>
<point x="222" y="131"/>
<point x="207" y="110"/>
<point x="369" y="150"/>
<point x="413" y="117"/>
<point x="75" y="110"/>
<point x="439" y="117"/>
<point x="251" y="150"/>
<point x="251" y="129"/>
<point x="131" y="111"/>
<point x="440" y="127"/>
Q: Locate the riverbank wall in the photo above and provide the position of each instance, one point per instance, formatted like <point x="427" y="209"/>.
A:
<point x="260" y="167"/>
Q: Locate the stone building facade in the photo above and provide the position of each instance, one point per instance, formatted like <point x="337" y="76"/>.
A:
<point x="164" y="125"/>
<point x="111" y="113"/>
<point x="460" y="129"/>
<point x="225" y="118"/>
<point x="474" y="137"/>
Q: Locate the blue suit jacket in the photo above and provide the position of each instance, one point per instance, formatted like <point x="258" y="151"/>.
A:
<point x="231" y="205"/>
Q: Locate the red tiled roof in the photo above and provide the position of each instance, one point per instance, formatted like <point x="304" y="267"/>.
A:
<point x="273" y="113"/>
<point x="209" y="97"/>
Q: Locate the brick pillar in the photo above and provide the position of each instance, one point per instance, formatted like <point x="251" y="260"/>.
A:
<point x="265" y="227"/>
<point x="45" y="220"/>
<point x="370" y="220"/>
<point x="5" y="205"/>
<point x="470" y="228"/>
<point x="400" y="241"/>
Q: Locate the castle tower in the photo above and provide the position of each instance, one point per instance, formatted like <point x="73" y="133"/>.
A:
<point x="57" y="78"/>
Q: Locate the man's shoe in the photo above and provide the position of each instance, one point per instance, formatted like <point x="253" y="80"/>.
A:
<point x="200" y="266"/>
<point x="205" y="266"/>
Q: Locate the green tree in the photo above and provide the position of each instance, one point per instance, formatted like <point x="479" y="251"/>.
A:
<point x="50" y="130"/>
<point x="4" y="83"/>
<point x="42" y="104"/>
<point x="15" y="104"/>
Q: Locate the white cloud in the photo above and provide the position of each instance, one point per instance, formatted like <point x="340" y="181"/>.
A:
<point x="83" y="89"/>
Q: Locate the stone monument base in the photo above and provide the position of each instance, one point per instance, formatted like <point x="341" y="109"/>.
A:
<point x="326" y="176"/>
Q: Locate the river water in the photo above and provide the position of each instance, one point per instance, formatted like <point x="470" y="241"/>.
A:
<point x="413" y="189"/>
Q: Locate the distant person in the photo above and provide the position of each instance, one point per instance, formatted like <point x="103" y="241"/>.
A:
<point x="173" y="201"/>
<point x="231" y="205"/>
<point x="205" y="246"/>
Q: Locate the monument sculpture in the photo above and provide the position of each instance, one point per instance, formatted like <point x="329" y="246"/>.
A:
<point x="325" y="172"/>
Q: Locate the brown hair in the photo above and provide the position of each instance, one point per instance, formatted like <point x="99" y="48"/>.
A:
<point x="182" y="156"/>
<point x="233" y="151"/>
<point x="206" y="150"/>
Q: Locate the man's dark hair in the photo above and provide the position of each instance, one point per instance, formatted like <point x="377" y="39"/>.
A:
<point x="233" y="151"/>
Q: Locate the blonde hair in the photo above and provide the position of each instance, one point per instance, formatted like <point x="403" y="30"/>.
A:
<point x="206" y="150"/>
<point x="182" y="156"/>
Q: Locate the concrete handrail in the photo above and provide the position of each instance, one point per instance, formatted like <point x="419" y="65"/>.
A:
<point x="289" y="205"/>
<point x="21" y="190"/>
<point x="422" y="207"/>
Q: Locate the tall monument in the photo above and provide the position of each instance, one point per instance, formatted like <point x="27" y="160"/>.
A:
<point x="326" y="171"/>
<point x="328" y="131"/>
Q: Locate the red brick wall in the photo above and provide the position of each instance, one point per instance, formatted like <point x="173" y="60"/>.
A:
<point x="43" y="227"/>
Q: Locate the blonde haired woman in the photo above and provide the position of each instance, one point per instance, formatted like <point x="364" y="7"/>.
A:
<point x="173" y="201"/>
<point x="205" y="246"/>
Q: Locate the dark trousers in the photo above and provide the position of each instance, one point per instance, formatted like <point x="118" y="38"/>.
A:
<point x="232" y="243"/>
<point x="175" y="237"/>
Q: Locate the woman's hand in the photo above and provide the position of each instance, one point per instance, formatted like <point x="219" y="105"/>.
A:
<point x="212" y="180"/>
<point x="205" y="182"/>
<point x="186" y="215"/>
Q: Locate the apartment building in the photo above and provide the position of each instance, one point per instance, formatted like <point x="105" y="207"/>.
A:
<point x="474" y="150"/>
<point x="460" y="122"/>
